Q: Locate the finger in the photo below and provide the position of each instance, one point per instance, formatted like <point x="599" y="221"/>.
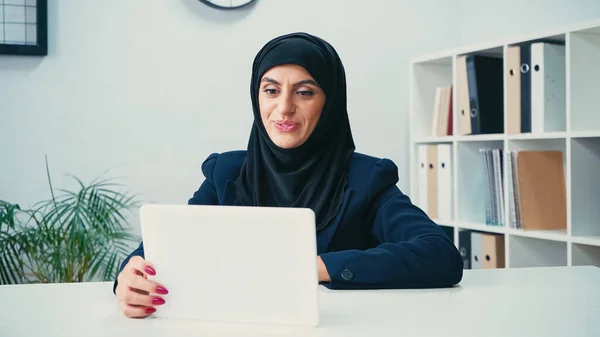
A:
<point x="143" y="292"/>
<point x="141" y="266"/>
<point x="132" y="311"/>
<point x="140" y="283"/>
<point x="135" y="298"/>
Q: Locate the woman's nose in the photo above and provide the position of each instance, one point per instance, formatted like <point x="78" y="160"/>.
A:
<point x="286" y="104"/>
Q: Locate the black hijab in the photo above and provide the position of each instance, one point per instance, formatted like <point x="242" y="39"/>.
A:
<point x="312" y="175"/>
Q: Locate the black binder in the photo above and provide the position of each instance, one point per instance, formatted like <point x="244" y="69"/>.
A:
<point x="464" y="247"/>
<point x="486" y="93"/>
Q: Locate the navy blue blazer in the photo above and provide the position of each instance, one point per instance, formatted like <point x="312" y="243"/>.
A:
<point x="379" y="239"/>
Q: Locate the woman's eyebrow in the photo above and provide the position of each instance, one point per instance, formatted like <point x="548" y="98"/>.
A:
<point x="307" y="82"/>
<point x="270" y="80"/>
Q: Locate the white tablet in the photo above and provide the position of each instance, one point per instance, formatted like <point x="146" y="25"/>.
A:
<point x="234" y="264"/>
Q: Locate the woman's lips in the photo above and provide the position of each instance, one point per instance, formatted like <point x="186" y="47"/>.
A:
<point x="286" y="126"/>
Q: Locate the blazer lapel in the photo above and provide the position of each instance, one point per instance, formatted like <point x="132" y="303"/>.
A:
<point x="325" y="236"/>
<point x="229" y="196"/>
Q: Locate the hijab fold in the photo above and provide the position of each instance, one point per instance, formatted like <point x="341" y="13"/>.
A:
<point x="314" y="174"/>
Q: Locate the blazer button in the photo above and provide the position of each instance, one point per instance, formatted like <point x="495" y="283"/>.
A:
<point x="347" y="274"/>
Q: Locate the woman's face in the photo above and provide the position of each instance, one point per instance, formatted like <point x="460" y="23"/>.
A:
<point x="290" y="102"/>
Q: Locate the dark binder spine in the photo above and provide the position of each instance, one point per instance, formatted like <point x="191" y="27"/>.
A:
<point x="473" y="95"/>
<point x="464" y="243"/>
<point x="526" y="87"/>
<point x="486" y="93"/>
<point x="491" y="94"/>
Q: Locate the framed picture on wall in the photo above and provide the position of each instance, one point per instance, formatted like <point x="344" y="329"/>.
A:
<point x="23" y="27"/>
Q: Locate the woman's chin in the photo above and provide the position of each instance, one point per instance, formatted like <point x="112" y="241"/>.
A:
<point x="287" y="141"/>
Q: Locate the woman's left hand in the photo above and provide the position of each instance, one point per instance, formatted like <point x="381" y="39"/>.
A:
<point x="323" y="274"/>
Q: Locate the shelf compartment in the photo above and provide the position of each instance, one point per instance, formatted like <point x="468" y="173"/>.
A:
<point x="531" y="252"/>
<point x="585" y="255"/>
<point x="584" y="79"/>
<point x="585" y="186"/>
<point x="472" y="181"/>
<point x="426" y="77"/>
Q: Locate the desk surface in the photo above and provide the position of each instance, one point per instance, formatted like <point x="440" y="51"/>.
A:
<point x="559" y="301"/>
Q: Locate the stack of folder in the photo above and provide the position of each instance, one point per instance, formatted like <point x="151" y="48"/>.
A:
<point x="442" y="112"/>
<point x="535" y="87"/>
<point x="435" y="180"/>
<point x="535" y="90"/>
<point x="536" y="190"/>
<point x="492" y="162"/>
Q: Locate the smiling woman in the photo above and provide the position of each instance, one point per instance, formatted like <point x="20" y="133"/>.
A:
<point x="301" y="153"/>
<point x="290" y="104"/>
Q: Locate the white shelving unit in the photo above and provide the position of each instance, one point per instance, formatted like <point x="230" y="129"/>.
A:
<point x="578" y="137"/>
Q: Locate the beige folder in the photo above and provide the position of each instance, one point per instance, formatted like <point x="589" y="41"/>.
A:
<point x="432" y="181"/>
<point x="513" y="89"/>
<point x="492" y="251"/>
<point x="542" y="190"/>
<point x="443" y="112"/>
<point x="462" y="97"/>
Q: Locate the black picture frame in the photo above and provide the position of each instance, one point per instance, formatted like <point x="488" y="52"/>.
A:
<point x="41" y="46"/>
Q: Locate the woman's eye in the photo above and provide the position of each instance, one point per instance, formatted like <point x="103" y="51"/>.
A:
<point x="305" y="93"/>
<point x="270" y="91"/>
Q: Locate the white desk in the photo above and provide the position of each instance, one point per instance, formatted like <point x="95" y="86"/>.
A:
<point x="513" y="302"/>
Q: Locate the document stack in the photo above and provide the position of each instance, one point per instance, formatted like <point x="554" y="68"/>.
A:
<point x="494" y="206"/>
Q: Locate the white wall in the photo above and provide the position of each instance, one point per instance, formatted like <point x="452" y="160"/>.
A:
<point x="149" y="88"/>
<point x="482" y="20"/>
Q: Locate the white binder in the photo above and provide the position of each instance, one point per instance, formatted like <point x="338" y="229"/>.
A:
<point x="422" y="177"/>
<point x="444" y="181"/>
<point x="548" y="87"/>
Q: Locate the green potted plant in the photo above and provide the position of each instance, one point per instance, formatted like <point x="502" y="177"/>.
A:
<point x="74" y="236"/>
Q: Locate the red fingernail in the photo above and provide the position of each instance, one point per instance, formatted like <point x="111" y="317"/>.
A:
<point x="158" y="301"/>
<point x="162" y="290"/>
<point x="150" y="270"/>
<point x="150" y="310"/>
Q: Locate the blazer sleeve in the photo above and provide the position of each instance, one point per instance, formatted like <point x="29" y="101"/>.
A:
<point x="205" y="195"/>
<point x="413" y="251"/>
